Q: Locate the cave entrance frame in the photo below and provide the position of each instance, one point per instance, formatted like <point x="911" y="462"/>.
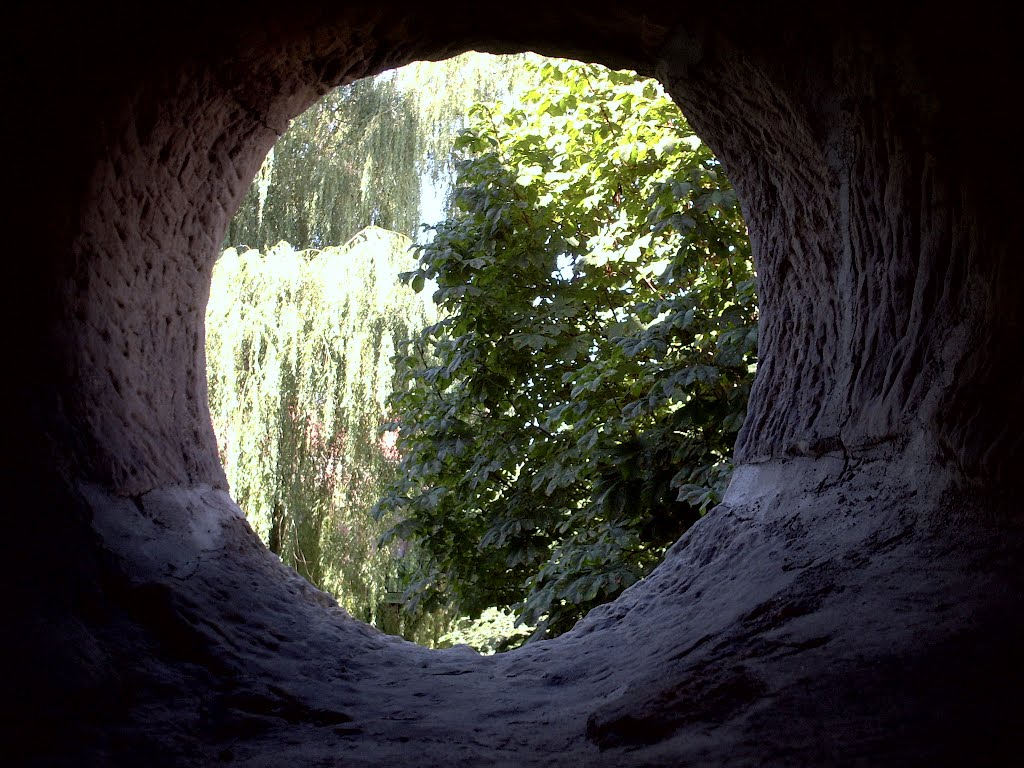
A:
<point x="231" y="429"/>
<point x="871" y="516"/>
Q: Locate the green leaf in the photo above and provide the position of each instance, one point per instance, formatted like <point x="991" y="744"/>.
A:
<point x="595" y="354"/>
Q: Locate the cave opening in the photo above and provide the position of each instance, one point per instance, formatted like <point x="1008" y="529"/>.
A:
<point x="632" y="325"/>
<point x="856" y="598"/>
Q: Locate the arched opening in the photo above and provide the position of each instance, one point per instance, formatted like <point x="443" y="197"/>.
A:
<point x="568" y="398"/>
<point x="858" y="594"/>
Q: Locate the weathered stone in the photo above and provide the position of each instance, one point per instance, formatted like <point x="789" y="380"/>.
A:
<point x="857" y="599"/>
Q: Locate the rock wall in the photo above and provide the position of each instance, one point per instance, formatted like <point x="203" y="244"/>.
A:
<point x="855" y="601"/>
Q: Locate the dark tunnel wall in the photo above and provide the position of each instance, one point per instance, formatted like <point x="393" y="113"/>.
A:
<point x="870" y="540"/>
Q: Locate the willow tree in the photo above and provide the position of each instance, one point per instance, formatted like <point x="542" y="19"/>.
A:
<point x="299" y="348"/>
<point x="349" y="161"/>
<point x="363" y="154"/>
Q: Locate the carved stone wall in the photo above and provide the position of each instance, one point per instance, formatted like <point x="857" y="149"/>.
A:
<point x="856" y="599"/>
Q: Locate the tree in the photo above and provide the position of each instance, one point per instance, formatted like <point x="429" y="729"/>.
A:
<point x="362" y="155"/>
<point x="299" y="352"/>
<point x="300" y="341"/>
<point x="574" y="409"/>
<point x="350" y="161"/>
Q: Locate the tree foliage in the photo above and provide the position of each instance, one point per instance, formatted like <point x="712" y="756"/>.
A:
<point x="574" y="409"/>
<point x="359" y="157"/>
<point x="299" y="341"/>
<point x="349" y="161"/>
<point x="299" y="365"/>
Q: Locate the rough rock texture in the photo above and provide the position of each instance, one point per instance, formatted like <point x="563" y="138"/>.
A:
<point x="857" y="600"/>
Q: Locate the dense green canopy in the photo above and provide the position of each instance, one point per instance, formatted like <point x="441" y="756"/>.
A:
<point x="569" y="409"/>
<point x="574" y="409"/>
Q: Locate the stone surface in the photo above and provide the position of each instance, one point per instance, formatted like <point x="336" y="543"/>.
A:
<point x="856" y="600"/>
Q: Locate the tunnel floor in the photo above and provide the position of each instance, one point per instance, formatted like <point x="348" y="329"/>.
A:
<point x="805" y="621"/>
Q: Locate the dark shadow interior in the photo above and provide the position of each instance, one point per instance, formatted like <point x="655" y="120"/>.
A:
<point x="856" y="600"/>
